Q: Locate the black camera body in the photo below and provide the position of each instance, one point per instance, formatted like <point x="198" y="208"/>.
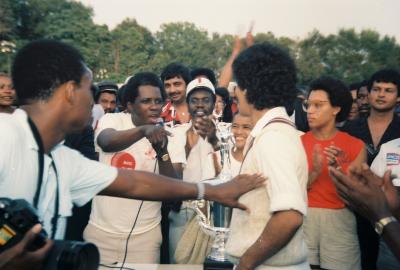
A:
<point x="17" y="217"/>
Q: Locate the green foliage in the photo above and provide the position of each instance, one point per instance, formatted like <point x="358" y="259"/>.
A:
<point x="130" y="47"/>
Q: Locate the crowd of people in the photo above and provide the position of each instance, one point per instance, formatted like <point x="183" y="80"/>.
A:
<point x="316" y="169"/>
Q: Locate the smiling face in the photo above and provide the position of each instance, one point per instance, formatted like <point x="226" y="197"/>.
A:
<point x="176" y="89"/>
<point x="7" y="92"/>
<point x="200" y="102"/>
<point x="241" y="128"/>
<point x="146" y="109"/>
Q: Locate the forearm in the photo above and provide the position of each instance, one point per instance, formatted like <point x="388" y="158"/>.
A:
<point x="391" y="235"/>
<point x="277" y="233"/>
<point x="166" y="168"/>
<point x="312" y="176"/>
<point x="153" y="187"/>
<point x="226" y="72"/>
<point x="114" y="140"/>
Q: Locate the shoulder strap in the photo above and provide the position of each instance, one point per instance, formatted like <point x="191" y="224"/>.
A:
<point x="273" y="120"/>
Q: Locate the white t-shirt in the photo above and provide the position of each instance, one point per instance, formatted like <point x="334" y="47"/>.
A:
<point x="79" y="178"/>
<point x="116" y="215"/>
<point x="388" y="158"/>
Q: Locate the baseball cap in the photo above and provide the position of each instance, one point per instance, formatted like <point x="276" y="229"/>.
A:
<point x="200" y="83"/>
<point x="106" y="86"/>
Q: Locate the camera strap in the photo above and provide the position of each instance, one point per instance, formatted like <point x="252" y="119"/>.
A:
<point x="38" y="139"/>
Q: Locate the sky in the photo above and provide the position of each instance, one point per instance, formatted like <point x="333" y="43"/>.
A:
<point x="291" y="18"/>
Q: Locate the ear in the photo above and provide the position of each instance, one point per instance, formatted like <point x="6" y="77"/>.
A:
<point x="336" y="110"/>
<point x="129" y="106"/>
<point x="70" y="91"/>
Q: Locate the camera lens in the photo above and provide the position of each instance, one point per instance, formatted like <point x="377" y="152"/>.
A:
<point x="72" y="255"/>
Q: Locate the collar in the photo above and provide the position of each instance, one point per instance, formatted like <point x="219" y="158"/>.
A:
<point x="267" y="117"/>
<point x="22" y="118"/>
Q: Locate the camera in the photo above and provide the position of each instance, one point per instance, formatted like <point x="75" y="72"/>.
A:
<point x="17" y="217"/>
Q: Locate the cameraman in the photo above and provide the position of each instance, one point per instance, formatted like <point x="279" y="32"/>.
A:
<point x="52" y="84"/>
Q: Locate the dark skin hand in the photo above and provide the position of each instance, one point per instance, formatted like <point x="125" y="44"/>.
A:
<point x="202" y="126"/>
<point x="18" y="257"/>
<point x="363" y="191"/>
<point x="373" y="197"/>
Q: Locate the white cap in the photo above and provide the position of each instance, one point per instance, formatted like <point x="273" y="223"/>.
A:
<point x="200" y="83"/>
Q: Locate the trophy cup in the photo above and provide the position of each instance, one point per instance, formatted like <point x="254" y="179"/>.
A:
<point x="215" y="222"/>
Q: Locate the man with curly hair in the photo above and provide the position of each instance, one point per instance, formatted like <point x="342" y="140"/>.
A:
<point x="270" y="236"/>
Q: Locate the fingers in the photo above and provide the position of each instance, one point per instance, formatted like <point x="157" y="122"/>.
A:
<point x="387" y="180"/>
<point x="20" y="248"/>
<point x="370" y="177"/>
<point x="30" y="235"/>
<point x="242" y="207"/>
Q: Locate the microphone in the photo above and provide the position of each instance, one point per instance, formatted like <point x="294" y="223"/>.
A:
<point x="160" y="123"/>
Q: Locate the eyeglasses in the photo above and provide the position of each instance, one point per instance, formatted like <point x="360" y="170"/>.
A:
<point x="316" y="104"/>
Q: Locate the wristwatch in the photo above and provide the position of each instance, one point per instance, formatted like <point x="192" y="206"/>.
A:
<point x="164" y="157"/>
<point x="380" y="225"/>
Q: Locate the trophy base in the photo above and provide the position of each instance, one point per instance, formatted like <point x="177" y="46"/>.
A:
<point x="216" y="265"/>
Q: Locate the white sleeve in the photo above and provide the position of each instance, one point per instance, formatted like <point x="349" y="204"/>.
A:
<point x="276" y="156"/>
<point x="88" y="177"/>
<point x="109" y="120"/>
<point x="378" y="166"/>
<point x="7" y="143"/>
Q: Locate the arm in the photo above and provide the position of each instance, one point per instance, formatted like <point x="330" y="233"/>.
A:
<point x="391" y="235"/>
<point x="226" y="72"/>
<point x="148" y="186"/>
<point x="279" y="231"/>
<point x="317" y="160"/>
<point x="111" y="140"/>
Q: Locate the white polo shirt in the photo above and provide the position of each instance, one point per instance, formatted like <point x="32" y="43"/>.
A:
<point x="79" y="178"/>
<point x="277" y="153"/>
<point x="388" y="158"/>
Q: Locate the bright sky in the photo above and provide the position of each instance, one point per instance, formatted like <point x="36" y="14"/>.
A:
<point x="292" y="18"/>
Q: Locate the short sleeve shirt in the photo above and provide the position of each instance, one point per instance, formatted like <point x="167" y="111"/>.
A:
<point x="79" y="178"/>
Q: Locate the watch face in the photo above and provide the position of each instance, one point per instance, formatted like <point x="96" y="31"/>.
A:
<point x="378" y="228"/>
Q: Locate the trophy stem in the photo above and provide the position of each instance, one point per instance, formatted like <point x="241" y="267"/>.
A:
<point x="218" y="248"/>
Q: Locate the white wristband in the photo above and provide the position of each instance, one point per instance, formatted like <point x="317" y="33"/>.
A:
<point x="200" y="191"/>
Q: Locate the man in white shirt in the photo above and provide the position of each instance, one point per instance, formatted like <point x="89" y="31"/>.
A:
<point x="270" y="236"/>
<point x="199" y="144"/>
<point x="53" y="84"/>
<point x="133" y="141"/>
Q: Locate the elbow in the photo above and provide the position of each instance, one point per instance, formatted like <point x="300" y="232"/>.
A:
<point x="105" y="145"/>
<point x="297" y="219"/>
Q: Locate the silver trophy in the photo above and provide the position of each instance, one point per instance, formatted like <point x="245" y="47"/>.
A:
<point x="215" y="220"/>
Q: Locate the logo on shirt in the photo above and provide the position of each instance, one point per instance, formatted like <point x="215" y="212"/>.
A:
<point x="123" y="160"/>
<point x="392" y="159"/>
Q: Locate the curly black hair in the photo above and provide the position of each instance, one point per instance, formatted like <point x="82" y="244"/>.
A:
<point x="41" y="66"/>
<point x="385" y="75"/>
<point x="176" y="70"/>
<point x="338" y="94"/>
<point x="131" y="88"/>
<point x="268" y="74"/>
<point x="208" y="73"/>
<point x="227" y="115"/>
